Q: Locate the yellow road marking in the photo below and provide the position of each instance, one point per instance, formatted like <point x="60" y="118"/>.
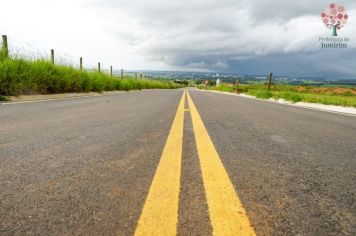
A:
<point x="160" y="212"/>
<point x="227" y="215"/>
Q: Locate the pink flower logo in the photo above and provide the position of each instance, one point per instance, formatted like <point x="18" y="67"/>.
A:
<point x="334" y="17"/>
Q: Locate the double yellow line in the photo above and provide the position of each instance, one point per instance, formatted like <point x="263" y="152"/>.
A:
<point x="160" y="212"/>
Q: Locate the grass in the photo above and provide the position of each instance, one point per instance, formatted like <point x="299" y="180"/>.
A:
<point x="341" y="96"/>
<point x="23" y="76"/>
<point x="3" y="99"/>
<point x="263" y="94"/>
<point x="338" y="100"/>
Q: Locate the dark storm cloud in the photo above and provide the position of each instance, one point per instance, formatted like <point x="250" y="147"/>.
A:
<point x="226" y="35"/>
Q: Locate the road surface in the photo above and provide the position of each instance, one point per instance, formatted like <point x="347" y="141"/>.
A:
<point x="166" y="162"/>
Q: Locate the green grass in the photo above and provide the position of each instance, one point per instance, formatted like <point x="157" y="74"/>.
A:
<point x="339" y="85"/>
<point x="3" y="98"/>
<point x="319" y="98"/>
<point x="295" y="93"/>
<point x="22" y="76"/>
<point x="263" y="94"/>
<point x="289" y="96"/>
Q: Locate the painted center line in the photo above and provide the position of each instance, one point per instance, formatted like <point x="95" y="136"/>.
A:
<point x="227" y="215"/>
<point x="160" y="212"/>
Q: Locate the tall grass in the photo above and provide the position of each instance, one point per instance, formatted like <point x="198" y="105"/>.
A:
<point x="263" y="94"/>
<point x="23" y="76"/>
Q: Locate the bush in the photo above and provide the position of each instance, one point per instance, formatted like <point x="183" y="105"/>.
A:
<point x="3" y="98"/>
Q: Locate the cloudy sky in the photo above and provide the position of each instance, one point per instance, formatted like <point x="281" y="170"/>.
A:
<point x="234" y="36"/>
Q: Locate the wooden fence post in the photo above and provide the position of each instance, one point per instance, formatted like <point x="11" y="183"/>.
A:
<point x="5" y="48"/>
<point x="236" y="85"/>
<point x="81" y="63"/>
<point x="52" y="56"/>
<point x="269" y="81"/>
<point x="99" y="69"/>
<point x="122" y="73"/>
<point x="111" y="71"/>
<point x="135" y="75"/>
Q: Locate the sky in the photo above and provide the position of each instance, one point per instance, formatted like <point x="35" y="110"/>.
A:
<point x="224" y="36"/>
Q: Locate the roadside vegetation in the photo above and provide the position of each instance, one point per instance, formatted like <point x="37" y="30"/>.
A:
<point x="20" y="76"/>
<point x="341" y="96"/>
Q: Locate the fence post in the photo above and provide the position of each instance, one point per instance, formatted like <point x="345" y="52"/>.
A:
<point x="52" y="56"/>
<point x="81" y="63"/>
<point x="236" y="85"/>
<point x="269" y="81"/>
<point x="140" y="75"/>
<point x="111" y="71"/>
<point x="5" y="48"/>
<point x="99" y="69"/>
<point x="135" y="75"/>
<point x="122" y="73"/>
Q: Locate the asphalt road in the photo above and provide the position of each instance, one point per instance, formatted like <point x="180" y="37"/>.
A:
<point x="85" y="166"/>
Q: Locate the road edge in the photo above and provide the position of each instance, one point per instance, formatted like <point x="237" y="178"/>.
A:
<point x="349" y="111"/>
<point x="69" y="96"/>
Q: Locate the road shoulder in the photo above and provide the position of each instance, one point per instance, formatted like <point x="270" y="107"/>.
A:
<point x="314" y="106"/>
<point x="63" y="96"/>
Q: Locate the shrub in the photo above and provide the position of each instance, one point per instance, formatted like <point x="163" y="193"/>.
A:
<point x="3" y="98"/>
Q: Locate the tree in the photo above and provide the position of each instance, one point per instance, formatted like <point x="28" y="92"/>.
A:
<point x="334" y="17"/>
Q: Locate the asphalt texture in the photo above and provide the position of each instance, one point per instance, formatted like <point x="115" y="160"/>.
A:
<point x="293" y="168"/>
<point x="193" y="209"/>
<point x="84" y="166"/>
